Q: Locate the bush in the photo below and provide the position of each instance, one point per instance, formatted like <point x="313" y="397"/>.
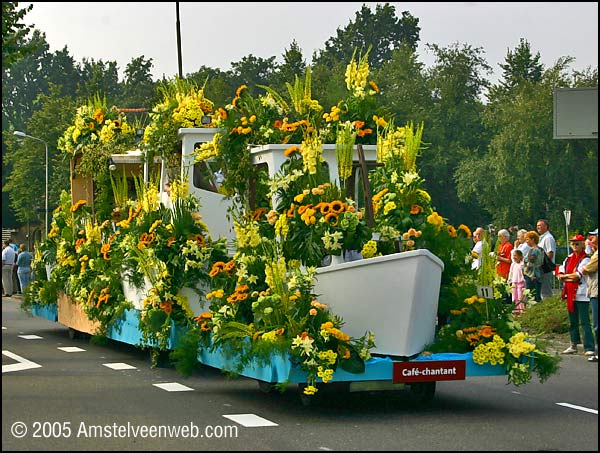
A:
<point x="549" y="316"/>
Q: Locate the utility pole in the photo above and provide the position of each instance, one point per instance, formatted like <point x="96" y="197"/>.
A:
<point x="178" y="26"/>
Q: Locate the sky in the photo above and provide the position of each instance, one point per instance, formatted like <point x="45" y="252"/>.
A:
<point x="216" y="34"/>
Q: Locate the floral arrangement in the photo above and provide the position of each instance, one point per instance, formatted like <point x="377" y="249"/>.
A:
<point x="168" y="247"/>
<point x="487" y="328"/>
<point x="314" y="219"/>
<point x="164" y="250"/>
<point x="97" y="132"/>
<point x="262" y="304"/>
<point x="261" y="301"/>
<point x="184" y="105"/>
<point x="79" y="251"/>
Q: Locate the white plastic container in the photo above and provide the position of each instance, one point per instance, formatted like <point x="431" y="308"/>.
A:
<point x="394" y="296"/>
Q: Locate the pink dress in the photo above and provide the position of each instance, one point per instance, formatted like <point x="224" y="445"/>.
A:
<point x="517" y="281"/>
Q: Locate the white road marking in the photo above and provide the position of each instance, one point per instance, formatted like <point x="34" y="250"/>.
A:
<point x="579" y="408"/>
<point x="250" y="420"/>
<point x="173" y="387"/>
<point x="71" y="349"/>
<point x="30" y="337"/>
<point x="119" y="366"/>
<point x="23" y="364"/>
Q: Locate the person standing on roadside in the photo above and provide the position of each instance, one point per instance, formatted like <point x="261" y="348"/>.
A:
<point x="504" y="255"/>
<point x="548" y="244"/>
<point x="575" y="293"/>
<point x="520" y="243"/>
<point x="8" y="262"/>
<point x="477" y="248"/>
<point x="591" y="270"/>
<point x="24" y="267"/>
<point x="532" y="271"/>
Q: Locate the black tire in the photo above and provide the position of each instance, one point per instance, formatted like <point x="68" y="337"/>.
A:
<point x="422" y="392"/>
<point x="266" y="387"/>
<point x="74" y="334"/>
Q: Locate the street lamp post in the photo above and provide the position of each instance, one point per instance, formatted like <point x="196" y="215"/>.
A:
<point x="24" y="135"/>
<point x="567" y="214"/>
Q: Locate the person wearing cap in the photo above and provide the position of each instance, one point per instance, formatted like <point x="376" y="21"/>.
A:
<point x="591" y="270"/>
<point x="575" y="293"/>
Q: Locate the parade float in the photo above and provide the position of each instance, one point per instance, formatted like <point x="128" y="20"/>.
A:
<point x="296" y="245"/>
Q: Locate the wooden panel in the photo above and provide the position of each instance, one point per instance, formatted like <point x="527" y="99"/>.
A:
<point x="71" y="314"/>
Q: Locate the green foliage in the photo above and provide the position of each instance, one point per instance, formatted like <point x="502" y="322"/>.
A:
<point x="381" y="30"/>
<point x="547" y="317"/>
<point x="523" y="160"/>
<point x="14" y="33"/>
<point x="185" y="355"/>
<point x="182" y="104"/>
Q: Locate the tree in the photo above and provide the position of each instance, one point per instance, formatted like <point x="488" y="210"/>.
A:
<point x="457" y="81"/>
<point x="218" y="85"/>
<point x="382" y="30"/>
<point x="26" y="183"/>
<point x="521" y="66"/>
<point x="404" y="87"/>
<point x="139" y="90"/>
<point x="14" y="34"/>
<point x="293" y="65"/>
<point x="253" y="71"/>
<point x="525" y="174"/>
<point x="23" y="82"/>
<point x="100" y="77"/>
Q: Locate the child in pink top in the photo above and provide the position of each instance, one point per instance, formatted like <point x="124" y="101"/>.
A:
<point x="517" y="281"/>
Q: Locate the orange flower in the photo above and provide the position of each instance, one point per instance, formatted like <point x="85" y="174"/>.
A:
<point x="170" y="241"/>
<point x="487" y="331"/>
<point x="99" y="116"/>
<point x="337" y="206"/>
<point x="451" y="231"/>
<point x="167" y="307"/>
<point x="222" y="113"/>
<point x="324" y="207"/>
<point x="290" y="212"/>
<point x="291" y="150"/>
<point x="78" y="244"/>
<point x="199" y="239"/>
<point x="217" y="268"/>
<point x="330" y="216"/>
<point x="258" y="213"/>
<point x="415" y="209"/>
<point x="145" y="240"/>
<point x="76" y="206"/>
<point x="240" y="89"/>
<point x="104" y="250"/>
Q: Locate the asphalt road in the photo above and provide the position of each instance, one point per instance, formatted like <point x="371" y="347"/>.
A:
<point x="58" y="400"/>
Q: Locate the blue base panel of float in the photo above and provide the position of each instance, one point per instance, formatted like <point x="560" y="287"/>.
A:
<point x="280" y="369"/>
<point x="125" y="330"/>
<point x="49" y="311"/>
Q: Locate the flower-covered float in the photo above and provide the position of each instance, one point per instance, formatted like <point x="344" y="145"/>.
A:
<point x="338" y="266"/>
